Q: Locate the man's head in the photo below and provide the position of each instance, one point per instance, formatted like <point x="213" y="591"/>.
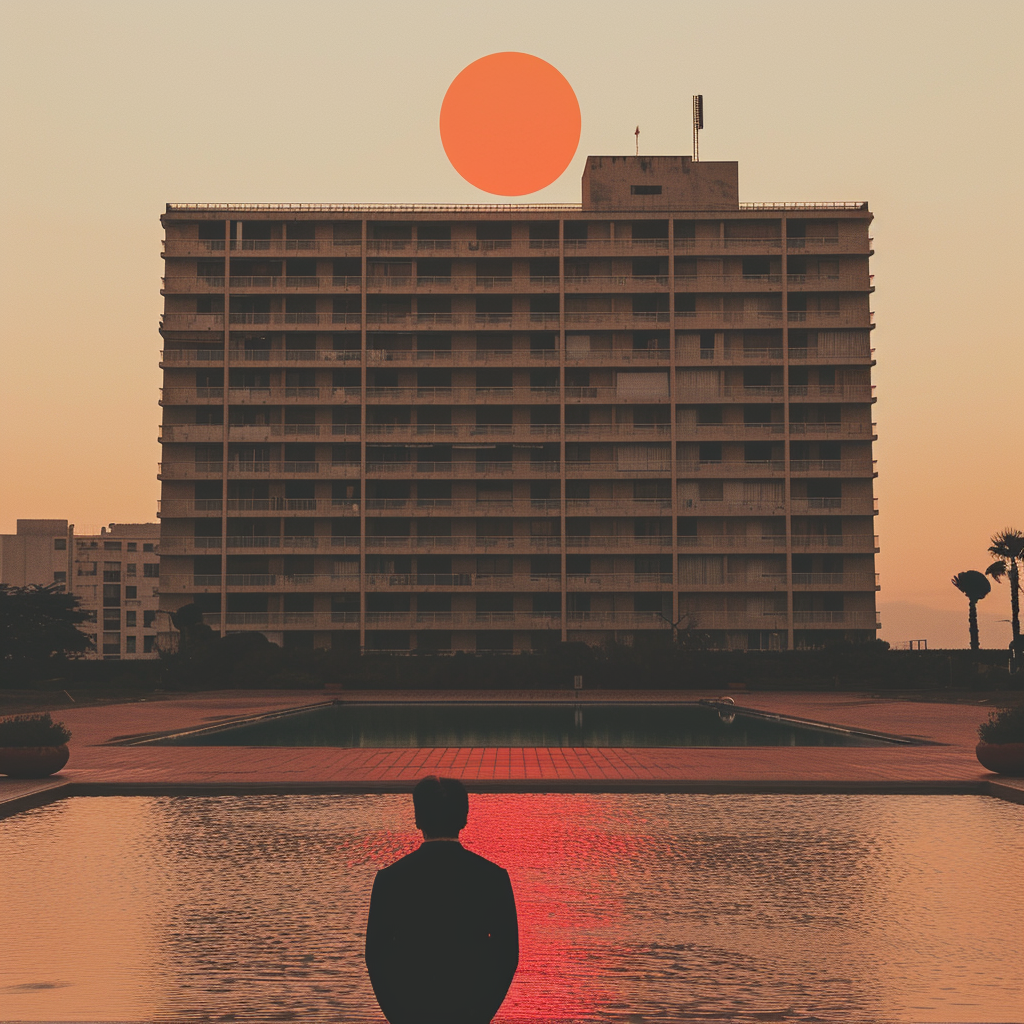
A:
<point x="441" y="806"/>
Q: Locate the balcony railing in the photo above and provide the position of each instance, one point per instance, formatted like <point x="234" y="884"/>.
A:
<point x="772" y="467"/>
<point x="851" y="619"/>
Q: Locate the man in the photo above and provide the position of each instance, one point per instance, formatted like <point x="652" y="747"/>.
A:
<point x="442" y="939"/>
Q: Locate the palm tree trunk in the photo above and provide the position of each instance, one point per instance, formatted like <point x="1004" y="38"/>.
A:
<point x="1015" y="600"/>
<point x="972" y="618"/>
<point x="1018" y="649"/>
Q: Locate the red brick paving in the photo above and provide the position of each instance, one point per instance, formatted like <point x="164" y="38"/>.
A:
<point x="93" y="761"/>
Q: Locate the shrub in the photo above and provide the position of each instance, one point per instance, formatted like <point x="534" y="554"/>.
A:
<point x="33" y="731"/>
<point x="1005" y="726"/>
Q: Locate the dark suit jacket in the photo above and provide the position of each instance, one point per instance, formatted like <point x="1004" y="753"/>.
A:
<point x="442" y="939"/>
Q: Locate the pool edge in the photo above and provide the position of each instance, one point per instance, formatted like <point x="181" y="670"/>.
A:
<point x="59" y="790"/>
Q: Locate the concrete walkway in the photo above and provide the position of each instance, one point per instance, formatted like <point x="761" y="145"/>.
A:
<point x="96" y="766"/>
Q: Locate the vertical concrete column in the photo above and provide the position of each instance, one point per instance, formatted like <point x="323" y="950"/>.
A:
<point x="226" y="406"/>
<point x="673" y="447"/>
<point x="788" y="483"/>
<point x="561" y="429"/>
<point x="362" y="435"/>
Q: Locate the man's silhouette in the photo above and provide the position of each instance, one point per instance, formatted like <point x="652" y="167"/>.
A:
<point x="442" y="939"/>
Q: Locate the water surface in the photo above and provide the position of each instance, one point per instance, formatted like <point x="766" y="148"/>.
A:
<point x="494" y="724"/>
<point x="632" y="907"/>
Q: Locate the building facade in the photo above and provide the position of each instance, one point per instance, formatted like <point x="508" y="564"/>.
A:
<point x="476" y="428"/>
<point x="115" y="574"/>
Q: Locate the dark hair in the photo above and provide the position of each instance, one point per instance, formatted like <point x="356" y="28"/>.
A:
<point x="441" y="806"/>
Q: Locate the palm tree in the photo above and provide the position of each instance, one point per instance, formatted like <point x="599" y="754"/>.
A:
<point x="1008" y="548"/>
<point x="974" y="586"/>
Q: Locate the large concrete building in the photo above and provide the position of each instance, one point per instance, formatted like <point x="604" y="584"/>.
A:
<point x="486" y="427"/>
<point x="114" y="573"/>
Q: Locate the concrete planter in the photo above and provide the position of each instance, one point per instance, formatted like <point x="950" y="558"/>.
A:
<point x="32" y="762"/>
<point x="1003" y="758"/>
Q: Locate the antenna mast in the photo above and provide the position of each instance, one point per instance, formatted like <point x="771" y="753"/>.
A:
<point x="698" y="123"/>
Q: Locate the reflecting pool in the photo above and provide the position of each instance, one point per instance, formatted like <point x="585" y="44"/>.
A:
<point x="632" y="907"/>
<point x="537" y="724"/>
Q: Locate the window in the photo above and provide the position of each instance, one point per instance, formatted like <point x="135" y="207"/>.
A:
<point x="129" y="645"/>
<point x="60" y="577"/>
<point x="111" y="595"/>
<point x="131" y="593"/>
<point x="132" y="546"/>
<point x="148" y="644"/>
<point x="151" y="569"/>
<point x="111" y="643"/>
<point x="645" y="190"/>
<point x="129" y="620"/>
<point x="60" y="544"/>
<point x="148" y="547"/>
<point x="111" y="545"/>
<point x="130" y="569"/>
<point x="148" y="619"/>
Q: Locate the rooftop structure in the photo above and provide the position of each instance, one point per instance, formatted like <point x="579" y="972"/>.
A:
<point x="434" y="428"/>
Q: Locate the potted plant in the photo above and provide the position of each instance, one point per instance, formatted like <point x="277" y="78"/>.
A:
<point x="32" y="746"/>
<point x="1002" y="742"/>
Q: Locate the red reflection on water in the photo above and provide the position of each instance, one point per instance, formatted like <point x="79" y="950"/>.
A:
<point x="559" y="916"/>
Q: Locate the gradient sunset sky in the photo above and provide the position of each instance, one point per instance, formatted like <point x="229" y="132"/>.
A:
<point x="112" y="109"/>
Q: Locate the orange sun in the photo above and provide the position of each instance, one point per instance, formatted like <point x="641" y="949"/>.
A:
<point x="510" y="123"/>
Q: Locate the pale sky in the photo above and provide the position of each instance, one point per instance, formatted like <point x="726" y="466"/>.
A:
<point x="110" y="110"/>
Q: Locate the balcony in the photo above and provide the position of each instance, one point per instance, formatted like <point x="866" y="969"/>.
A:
<point x="595" y="469"/>
<point x="693" y="355"/>
<point x="282" y="470"/>
<point x="835" y="467"/>
<point x="204" y="247"/>
<point x="449" y="506"/>
<point x="831" y="392"/>
<point x="616" y="620"/>
<point x="522" y="320"/>
<point x="462" y="396"/>
<point x="837" y="580"/>
<point x="852" y="430"/>
<point x="834" y="352"/>
<point x="462" y="470"/>
<point x="172" y="508"/>
<point x="397" y="433"/>
<point x="174" y="583"/>
<point x="277" y="620"/>
<point x="522" y="545"/>
<point x="730" y="283"/>
<point x="729" y="543"/>
<point x="522" y="620"/>
<point x="847" y="620"/>
<point x="769" y="392"/>
<point x="619" y="543"/>
<point x="858" y="543"/>
<point x="713" y="507"/>
<point x="846" y="506"/>
<point x="277" y="321"/>
<point x="460" y="357"/>
<point x="596" y="432"/>
<point x="731" y="469"/>
<point x="523" y="582"/>
<point x="618" y="506"/>
<point x="816" y="245"/>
